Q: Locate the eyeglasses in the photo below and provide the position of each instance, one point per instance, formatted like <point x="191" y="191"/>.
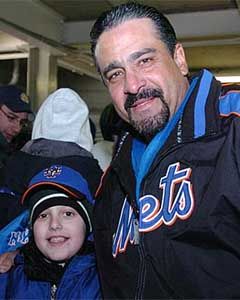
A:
<point x="14" y="119"/>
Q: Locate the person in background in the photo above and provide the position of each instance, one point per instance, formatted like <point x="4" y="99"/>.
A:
<point x="167" y="213"/>
<point x="14" y="113"/>
<point x="58" y="262"/>
<point x="23" y="137"/>
<point x="112" y="128"/>
<point x="61" y="135"/>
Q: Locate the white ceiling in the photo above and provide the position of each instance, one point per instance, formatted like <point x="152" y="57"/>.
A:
<point x="85" y="10"/>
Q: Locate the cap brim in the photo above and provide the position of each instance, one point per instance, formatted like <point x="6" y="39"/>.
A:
<point x="35" y="187"/>
<point x="19" y="107"/>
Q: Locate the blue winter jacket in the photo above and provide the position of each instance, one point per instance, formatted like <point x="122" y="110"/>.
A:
<point x="80" y="281"/>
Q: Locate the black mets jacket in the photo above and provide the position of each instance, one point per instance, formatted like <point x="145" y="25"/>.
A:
<point x="167" y="215"/>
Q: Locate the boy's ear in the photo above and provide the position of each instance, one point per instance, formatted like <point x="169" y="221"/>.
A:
<point x="180" y="59"/>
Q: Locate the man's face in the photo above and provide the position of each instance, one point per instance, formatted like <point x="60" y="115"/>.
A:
<point x="59" y="232"/>
<point x="11" y="122"/>
<point x="146" y="83"/>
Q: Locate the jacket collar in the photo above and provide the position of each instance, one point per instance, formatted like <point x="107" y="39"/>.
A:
<point x="200" y="117"/>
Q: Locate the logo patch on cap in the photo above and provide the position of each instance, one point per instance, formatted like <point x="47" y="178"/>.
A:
<point x="24" y="98"/>
<point x="53" y="172"/>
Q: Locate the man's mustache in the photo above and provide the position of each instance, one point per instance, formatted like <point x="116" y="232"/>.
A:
<point x="144" y="94"/>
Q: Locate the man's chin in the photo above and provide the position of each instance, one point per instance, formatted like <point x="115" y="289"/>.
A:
<point x="143" y="128"/>
<point x="149" y="127"/>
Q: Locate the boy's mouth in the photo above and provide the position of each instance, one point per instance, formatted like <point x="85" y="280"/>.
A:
<point x="57" y="239"/>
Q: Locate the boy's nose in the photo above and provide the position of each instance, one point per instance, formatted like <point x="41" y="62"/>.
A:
<point x="55" y="224"/>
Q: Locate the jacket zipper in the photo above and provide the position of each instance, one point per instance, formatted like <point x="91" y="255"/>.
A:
<point x="142" y="267"/>
<point x="141" y="251"/>
<point x="53" y="291"/>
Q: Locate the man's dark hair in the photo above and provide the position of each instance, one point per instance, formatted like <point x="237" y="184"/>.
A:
<point x="132" y="10"/>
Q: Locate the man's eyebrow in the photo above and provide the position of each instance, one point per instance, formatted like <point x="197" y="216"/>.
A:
<point x="110" y="67"/>
<point x="138" y="54"/>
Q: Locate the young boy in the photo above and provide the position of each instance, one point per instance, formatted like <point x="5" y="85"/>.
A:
<point x="58" y="262"/>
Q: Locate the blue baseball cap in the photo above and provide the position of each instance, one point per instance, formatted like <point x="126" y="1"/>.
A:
<point x="41" y="192"/>
<point x="14" y="98"/>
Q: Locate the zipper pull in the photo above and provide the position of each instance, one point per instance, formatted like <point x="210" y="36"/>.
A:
<point x="136" y="231"/>
<point x="53" y="291"/>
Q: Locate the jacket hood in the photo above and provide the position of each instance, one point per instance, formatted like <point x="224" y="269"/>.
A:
<point x="64" y="116"/>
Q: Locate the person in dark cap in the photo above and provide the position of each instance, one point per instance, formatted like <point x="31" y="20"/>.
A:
<point x="14" y="112"/>
<point x="58" y="259"/>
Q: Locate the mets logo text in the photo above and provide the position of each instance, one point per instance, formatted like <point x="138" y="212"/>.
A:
<point x="177" y="203"/>
<point x="52" y="172"/>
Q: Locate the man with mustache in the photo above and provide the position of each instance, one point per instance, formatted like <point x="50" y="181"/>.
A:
<point x="167" y="215"/>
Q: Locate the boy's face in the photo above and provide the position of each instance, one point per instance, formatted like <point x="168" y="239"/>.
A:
<point x="59" y="232"/>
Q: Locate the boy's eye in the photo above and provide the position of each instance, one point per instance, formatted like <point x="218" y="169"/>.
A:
<point x="69" y="213"/>
<point x="42" y="216"/>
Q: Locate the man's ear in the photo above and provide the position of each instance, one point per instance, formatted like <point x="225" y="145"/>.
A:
<point x="180" y="59"/>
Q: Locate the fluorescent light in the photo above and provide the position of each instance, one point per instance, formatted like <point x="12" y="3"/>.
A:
<point x="225" y="79"/>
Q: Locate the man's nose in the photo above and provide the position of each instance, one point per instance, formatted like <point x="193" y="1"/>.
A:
<point x="134" y="81"/>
